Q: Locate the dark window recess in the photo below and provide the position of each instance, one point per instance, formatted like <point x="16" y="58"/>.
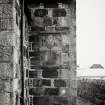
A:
<point x="50" y="73"/>
<point x="26" y="72"/>
<point x="24" y="51"/>
<point x="27" y="56"/>
<point x="32" y="74"/>
<point x="41" y="12"/>
<point x="17" y="19"/>
<point x="41" y="101"/>
<point x="36" y="91"/>
<point x="52" y="91"/>
<point x="26" y="83"/>
<point x="59" y="13"/>
<point x="59" y="83"/>
<point x="46" y="82"/>
<point x="36" y="28"/>
<point x="51" y="5"/>
<point x="37" y="83"/>
<point x="33" y="38"/>
<point x="35" y="55"/>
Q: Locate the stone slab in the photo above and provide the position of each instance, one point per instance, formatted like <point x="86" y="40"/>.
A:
<point x="6" y="70"/>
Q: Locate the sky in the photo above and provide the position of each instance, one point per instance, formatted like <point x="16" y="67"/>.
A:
<point x="90" y="32"/>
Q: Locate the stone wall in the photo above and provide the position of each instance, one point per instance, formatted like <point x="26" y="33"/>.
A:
<point x="26" y="60"/>
<point x="52" y="52"/>
<point x="9" y="54"/>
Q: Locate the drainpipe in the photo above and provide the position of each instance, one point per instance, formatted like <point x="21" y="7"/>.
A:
<point x="21" y="50"/>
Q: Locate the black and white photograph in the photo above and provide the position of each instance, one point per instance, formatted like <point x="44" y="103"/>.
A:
<point x="52" y="52"/>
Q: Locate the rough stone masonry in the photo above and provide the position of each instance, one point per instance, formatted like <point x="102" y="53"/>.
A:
<point x="9" y="53"/>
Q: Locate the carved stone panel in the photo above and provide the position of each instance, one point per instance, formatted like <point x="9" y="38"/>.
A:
<point x="50" y="58"/>
<point x="6" y="38"/>
<point x="6" y="10"/>
<point x="37" y="82"/>
<point x="6" y="53"/>
<point x="37" y="22"/>
<point x="53" y="42"/>
<point x="6" y="24"/>
<point x="5" y="99"/>
<point x="8" y="86"/>
<point x="6" y="70"/>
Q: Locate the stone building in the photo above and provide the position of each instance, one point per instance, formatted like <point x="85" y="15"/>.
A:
<point x="10" y="72"/>
<point x="37" y="52"/>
